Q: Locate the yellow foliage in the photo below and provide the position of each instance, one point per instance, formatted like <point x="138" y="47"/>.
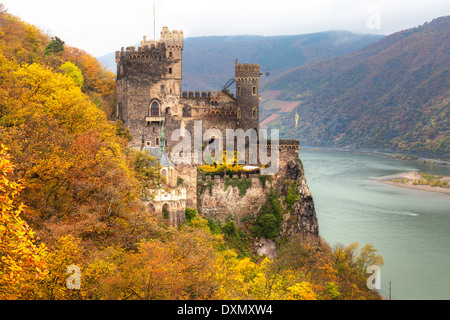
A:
<point x="301" y="291"/>
<point x="22" y="261"/>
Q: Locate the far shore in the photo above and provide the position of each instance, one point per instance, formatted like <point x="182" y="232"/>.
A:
<point x="406" y="179"/>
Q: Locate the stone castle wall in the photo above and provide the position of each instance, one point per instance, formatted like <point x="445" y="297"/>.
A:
<point x="218" y="202"/>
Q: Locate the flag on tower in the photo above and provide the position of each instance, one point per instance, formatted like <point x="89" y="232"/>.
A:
<point x="296" y="119"/>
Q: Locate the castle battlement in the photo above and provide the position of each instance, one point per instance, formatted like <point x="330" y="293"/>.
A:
<point x="171" y="39"/>
<point x="247" y="71"/>
<point x="253" y="67"/>
<point x="151" y="51"/>
<point x="203" y="94"/>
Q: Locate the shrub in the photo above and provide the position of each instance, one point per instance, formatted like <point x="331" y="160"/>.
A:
<point x="268" y="222"/>
<point x="190" y="214"/>
<point x="242" y="184"/>
<point x="165" y="213"/>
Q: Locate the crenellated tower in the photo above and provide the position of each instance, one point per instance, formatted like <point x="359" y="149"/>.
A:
<point x="149" y="85"/>
<point x="247" y="95"/>
<point x="173" y="42"/>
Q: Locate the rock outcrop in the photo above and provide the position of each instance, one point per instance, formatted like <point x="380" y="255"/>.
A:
<point x="301" y="219"/>
<point x="219" y="200"/>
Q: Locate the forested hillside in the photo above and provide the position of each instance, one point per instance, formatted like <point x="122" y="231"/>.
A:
<point x="208" y="62"/>
<point x="391" y="95"/>
<point x="72" y="193"/>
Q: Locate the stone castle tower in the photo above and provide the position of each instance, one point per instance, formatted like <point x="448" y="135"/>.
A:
<point x="149" y="93"/>
<point x="247" y="95"/>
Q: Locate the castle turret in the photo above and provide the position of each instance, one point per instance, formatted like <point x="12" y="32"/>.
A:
<point x="173" y="42"/>
<point x="149" y="85"/>
<point x="247" y="95"/>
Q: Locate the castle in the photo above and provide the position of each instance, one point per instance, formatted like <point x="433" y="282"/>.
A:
<point x="151" y="103"/>
<point x="149" y="93"/>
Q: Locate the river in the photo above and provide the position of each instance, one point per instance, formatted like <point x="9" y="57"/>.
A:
<point x="410" y="228"/>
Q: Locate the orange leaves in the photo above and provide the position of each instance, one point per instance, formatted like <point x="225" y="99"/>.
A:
<point x="96" y="77"/>
<point x="21" y="260"/>
<point x="179" y="268"/>
<point x="73" y="163"/>
<point x="21" y="41"/>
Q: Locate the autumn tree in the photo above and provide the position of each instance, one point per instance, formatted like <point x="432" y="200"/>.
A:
<point x="368" y="256"/>
<point x="22" y="261"/>
<point x="73" y="72"/>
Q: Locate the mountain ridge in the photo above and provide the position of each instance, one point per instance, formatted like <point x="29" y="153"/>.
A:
<point x="391" y="95"/>
<point x="208" y="62"/>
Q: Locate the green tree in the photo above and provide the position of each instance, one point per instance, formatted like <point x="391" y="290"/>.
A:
<point x="56" y="45"/>
<point x="268" y="222"/>
<point x="190" y="214"/>
<point x="73" y="72"/>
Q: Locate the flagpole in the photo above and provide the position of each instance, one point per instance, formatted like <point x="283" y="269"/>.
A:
<point x="154" y="24"/>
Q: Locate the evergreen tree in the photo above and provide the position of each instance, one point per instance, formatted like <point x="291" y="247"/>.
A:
<point x="56" y="45"/>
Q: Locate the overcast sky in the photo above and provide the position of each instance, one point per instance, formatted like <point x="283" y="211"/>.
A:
<point x="103" y="26"/>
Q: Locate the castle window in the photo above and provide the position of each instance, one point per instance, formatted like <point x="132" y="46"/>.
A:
<point x="254" y="113"/>
<point x="164" y="174"/>
<point x="148" y="123"/>
<point x="239" y="113"/>
<point x="170" y="70"/>
<point x="254" y="90"/>
<point x="162" y="89"/>
<point x="238" y="93"/>
<point x="157" y="141"/>
<point x="170" y="54"/>
<point x="154" y="109"/>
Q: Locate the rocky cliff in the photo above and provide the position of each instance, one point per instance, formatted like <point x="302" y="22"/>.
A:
<point x="242" y="199"/>
<point x="301" y="218"/>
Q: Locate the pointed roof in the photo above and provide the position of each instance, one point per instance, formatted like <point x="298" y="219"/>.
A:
<point x="160" y="155"/>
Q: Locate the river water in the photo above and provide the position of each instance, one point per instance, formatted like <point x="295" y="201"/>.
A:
<point x="410" y="228"/>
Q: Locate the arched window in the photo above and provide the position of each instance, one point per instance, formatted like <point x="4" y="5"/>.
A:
<point x="238" y="113"/>
<point x="254" y="113"/>
<point x="166" y="211"/>
<point x="154" y="109"/>
<point x="170" y="54"/>
<point x="170" y="176"/>
<point x="164" y="174"/>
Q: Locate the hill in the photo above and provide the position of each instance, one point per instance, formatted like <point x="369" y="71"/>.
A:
<point x="390" y="95"/>
<point x="73" y="197"/>
<point x="208" y="62"/>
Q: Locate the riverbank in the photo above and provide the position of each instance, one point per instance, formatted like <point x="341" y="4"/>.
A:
<point x="418" y="181"/>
